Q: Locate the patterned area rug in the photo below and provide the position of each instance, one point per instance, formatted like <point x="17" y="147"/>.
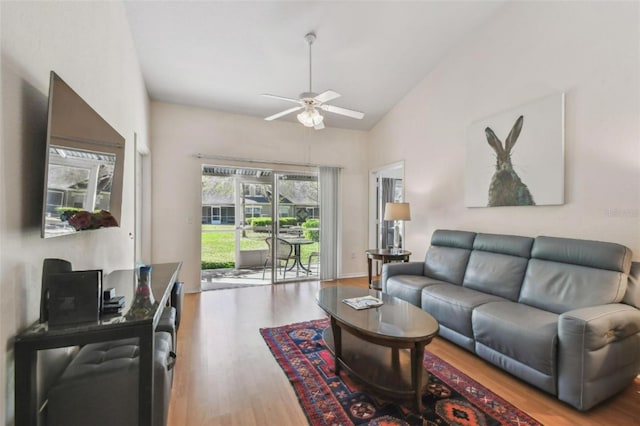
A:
<point x="450" y="398"/>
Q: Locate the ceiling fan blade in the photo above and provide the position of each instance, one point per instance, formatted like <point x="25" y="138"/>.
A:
<point x="327" y="96"/>
<point x="283" y="113"/>
<point x="343" y="111"/>
<point x="282" y="98"/>
<point x="319" y="126"/>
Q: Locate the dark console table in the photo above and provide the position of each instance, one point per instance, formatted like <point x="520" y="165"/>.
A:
<point x="110" y="327"/>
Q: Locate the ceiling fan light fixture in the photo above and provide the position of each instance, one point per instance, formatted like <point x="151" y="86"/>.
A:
<point x="311" y="102"/>
<point x="310" y="117"/>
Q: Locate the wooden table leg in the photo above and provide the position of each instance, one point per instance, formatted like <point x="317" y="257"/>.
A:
<point x="337" y="343"/>
<point x="395" y="359"/>
<point x="417" y="356"/>
<point x="369" y="261"/>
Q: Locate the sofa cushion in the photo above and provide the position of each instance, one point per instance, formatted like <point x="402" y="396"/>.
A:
<point x="594" y="254"/>
<point x="561" y="287"/>
<point x="497" y="274"/>
<point x="565" y="274"/>
<point x="632" y="295"/>
<point x="450" y="238"/>
<point x="497" y="264"/>
<point x="512" y="245"/>
<point x="103" y="358"/>
<point x="448" y="255"/>
<point x="452" y="305"/>
<point x="446" y="263"/>
<point x="519" y="332"/>
<point x="409" y="287"/>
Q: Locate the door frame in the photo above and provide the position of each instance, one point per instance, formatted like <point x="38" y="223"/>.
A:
<point x="389" y="170"/>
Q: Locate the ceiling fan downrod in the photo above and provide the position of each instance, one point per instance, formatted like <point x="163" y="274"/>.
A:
<point x="310" y="38"/>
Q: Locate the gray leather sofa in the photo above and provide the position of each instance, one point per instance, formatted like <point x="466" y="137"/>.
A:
<point x="562" y="314"/>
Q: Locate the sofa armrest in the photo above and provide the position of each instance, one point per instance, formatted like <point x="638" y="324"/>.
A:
<point x="599" y="353"/>
<point x="406" y="268"/>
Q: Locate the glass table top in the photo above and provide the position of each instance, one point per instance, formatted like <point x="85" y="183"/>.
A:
<point x="396" y="318"/>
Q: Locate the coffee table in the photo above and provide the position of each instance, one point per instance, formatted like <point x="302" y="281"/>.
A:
<point x="370" y="349"/>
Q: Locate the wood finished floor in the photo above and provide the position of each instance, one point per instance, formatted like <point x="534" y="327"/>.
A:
<point x="226" y="375"/>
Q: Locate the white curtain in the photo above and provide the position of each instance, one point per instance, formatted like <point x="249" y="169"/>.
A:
<point x="329" y="180"/>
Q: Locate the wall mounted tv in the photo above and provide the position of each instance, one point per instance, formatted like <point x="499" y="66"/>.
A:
<point x="84" y="166"/>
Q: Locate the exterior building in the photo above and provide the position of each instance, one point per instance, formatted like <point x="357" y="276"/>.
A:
<point x="298" y="196"/>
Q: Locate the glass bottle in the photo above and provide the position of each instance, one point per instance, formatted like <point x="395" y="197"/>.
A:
<point x="143" y="301"/>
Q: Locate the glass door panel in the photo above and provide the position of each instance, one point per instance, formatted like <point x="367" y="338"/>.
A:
<point x="297" y="229"/>
<point x="253" y="214"/>
<point x="234" y="250"/>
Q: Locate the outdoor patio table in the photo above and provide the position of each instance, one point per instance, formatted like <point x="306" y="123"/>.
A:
<point x="296" y="243"/>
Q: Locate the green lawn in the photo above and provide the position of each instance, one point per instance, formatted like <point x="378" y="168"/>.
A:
<point x="218" y="250"/>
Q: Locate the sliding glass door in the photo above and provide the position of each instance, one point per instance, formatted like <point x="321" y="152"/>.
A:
<point x="258" y="227"/>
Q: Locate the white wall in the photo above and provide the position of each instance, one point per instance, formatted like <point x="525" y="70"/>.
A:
<point x="89" y="45"/>
<point x="178" y="132"/>
<point x="590" y="51"/>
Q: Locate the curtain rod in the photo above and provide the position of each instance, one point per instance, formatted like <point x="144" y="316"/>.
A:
<point x="246" y="160"/>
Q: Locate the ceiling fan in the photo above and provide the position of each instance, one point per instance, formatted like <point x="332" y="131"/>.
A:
<point x="310" y="102"/>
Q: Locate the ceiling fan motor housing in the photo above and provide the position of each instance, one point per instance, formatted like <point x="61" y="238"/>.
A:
<point x="308" y="96"/>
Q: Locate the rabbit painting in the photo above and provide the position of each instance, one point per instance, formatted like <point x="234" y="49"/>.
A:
<point x="506" y="188"/>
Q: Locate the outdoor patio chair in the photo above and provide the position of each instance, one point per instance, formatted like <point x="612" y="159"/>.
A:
<point x="284" y="254"/>
<point x="313" y="254"/>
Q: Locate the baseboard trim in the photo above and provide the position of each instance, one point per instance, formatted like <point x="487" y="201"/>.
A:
<point x="354" y="275"/>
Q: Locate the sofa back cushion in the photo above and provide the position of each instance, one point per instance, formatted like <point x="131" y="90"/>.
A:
<point x="565" y="274"/>
<point x="632" y="296"/>
<point x="497" y="264"/>
<point x="447" y="258"/>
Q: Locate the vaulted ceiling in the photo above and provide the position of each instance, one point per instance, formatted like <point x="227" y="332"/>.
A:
<point x="223" y="54"/>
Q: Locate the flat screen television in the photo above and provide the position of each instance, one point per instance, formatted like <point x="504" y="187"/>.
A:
<point x="84" y="166"/>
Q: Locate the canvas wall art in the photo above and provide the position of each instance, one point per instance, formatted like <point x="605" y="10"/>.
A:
<point x="516" y="157"/>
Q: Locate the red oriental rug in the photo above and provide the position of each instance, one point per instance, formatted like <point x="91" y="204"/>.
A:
<point x="451" y="398"/>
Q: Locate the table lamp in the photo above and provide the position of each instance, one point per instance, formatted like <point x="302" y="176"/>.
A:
<point x="396" y="212"/>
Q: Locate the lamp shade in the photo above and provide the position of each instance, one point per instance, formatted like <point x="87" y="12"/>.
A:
<point x="397" y="211"/>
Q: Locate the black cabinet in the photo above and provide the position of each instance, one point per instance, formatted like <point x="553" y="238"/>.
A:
<point x="108" y="327"/>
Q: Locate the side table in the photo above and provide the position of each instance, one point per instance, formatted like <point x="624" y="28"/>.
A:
<point x="385" y="256"/>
